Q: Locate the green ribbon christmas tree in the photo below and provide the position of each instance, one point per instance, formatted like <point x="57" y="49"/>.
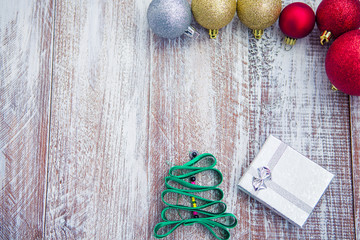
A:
<point x="210" y="213"/>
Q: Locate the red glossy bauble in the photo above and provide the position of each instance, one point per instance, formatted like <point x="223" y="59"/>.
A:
<point x="338" y="16"/>
<point x="342" y="63"/>
<point x="297" y="20"/>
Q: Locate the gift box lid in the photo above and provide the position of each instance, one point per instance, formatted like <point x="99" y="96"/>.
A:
<point x="285" y="181"/>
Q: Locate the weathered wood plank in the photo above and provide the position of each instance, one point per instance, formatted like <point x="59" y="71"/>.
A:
<point x="125" y="102"/>
<point x="291" y="99"/>
<point x="355" y="143"/>
<point x="288" y="98"/>
<point x="26" y="29"/>
<point x="199" y="100"/>
<point x="98" y="163"/>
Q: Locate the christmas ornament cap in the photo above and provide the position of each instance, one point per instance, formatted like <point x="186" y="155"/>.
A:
<point x="342" y="63"/>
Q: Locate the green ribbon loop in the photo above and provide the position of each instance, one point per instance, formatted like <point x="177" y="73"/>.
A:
<point x="202" y="157"/>
<point x="208" y="203"/>
<point x="209" y="219"/>
<point x="211" y="225"/>
<point x="186" y="184"/>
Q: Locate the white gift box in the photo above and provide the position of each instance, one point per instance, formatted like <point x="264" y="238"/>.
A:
<point x="285" y="181"/>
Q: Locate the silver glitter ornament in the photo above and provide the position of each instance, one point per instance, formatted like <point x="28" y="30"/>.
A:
<point x="170" y="18"/>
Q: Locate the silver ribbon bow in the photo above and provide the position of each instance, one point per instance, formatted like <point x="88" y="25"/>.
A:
<point x="259" y="182"/>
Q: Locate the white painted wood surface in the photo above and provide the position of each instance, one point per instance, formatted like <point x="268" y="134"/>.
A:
<point x="26" y="29"/>
<point x="98" y="164"/>
<point x="123" y="102"/>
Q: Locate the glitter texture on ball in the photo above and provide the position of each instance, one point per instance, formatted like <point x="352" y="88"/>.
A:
<point x="169" y="18"/>
<point x="213" y="14"/>
<point x="342" y="63"/>
<point x="335" y="17"/>
<point x="258" y="14"/>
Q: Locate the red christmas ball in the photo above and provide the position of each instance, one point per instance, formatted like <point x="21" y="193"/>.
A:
<point x="342" y="63"/>
<point x="297" y="20"/>
<point x="337" y="17"/>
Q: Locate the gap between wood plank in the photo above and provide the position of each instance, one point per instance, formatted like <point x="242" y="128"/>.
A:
<point x="49" y="117"/>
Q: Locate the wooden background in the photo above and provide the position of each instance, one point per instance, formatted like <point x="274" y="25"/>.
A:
<point x="93" y="105"/>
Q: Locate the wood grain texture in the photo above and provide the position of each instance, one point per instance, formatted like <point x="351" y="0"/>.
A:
<point x="199" y="100"/>
<point x="126" y="105"/>
<point x="98" y="163"/>
<point x="291" y="99"/>
<point x="355" y="140"/>
<point x="289" y="96"/>
<point x="26" y="29"/>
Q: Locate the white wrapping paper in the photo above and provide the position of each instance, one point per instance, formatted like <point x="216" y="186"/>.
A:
<point x="290" y="184"/>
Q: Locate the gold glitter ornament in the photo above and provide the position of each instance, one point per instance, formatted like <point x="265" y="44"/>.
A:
<point x="258" y="14"/>
<point x="213" y="14"/>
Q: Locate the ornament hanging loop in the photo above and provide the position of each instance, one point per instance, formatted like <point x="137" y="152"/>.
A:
<point x="258" y="33"/>
<point x="325" y="36"/>
<point x="288" y="47"/>
<point x="192" y="32"/>
<point x="213" y="33"/>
